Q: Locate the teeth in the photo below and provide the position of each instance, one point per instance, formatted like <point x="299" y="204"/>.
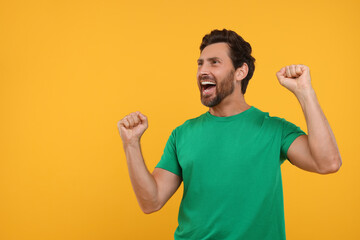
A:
<point x="205" y="83"/>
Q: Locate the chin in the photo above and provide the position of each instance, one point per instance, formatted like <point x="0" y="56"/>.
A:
<point x="209" y="103"/>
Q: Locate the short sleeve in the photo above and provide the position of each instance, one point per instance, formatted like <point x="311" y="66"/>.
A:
<point x="289" y="133"/>
<point x="169" y="160"/>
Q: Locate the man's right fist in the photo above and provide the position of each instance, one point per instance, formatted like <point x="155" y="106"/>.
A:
<point x="132" y="127"/>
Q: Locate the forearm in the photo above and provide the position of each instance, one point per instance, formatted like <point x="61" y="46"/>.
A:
<point x="322" y="143"/>
<point x="143" y="182"/>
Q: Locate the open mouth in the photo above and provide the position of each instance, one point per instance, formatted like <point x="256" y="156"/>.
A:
<point x="207" y="87"/>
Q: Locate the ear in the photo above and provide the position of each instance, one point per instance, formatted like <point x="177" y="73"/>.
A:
<point x="241" y="72"/>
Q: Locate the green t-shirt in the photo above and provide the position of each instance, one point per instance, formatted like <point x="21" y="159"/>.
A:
<point x="231" y="173"/>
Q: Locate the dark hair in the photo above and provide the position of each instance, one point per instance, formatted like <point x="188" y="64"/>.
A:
<point x="240" y="51"/>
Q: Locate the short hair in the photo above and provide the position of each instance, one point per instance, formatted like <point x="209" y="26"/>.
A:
<point x="240" y="51"/>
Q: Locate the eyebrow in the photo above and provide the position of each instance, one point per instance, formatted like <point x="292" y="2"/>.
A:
<point x="200" y="60"/>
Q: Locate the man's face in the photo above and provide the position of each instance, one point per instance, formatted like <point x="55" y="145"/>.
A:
<point x="215" y="74"/>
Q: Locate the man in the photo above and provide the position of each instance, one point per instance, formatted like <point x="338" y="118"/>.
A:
<point x="229" y="158"/>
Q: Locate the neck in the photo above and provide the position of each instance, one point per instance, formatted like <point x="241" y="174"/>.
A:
<point x="229" y="106"/>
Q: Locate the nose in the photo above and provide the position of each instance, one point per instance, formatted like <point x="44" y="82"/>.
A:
<point x="203" y="68"/>
<point x="203" y="71"/>
<point x="204" y="75"/>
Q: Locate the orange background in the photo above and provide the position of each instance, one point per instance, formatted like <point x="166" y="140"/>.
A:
<point x="69" y="70"/>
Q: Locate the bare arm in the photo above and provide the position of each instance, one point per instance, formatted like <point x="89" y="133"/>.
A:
<point x="317" y="152"/>
<point x="152" y="190"/>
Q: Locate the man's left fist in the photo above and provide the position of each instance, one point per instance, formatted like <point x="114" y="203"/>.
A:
<point x="296" y="78"/>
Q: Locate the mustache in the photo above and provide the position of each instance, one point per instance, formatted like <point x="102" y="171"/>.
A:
<point x="206" y="77"/>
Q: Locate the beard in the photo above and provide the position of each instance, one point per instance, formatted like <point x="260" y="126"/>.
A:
<point x="224" y="89"/>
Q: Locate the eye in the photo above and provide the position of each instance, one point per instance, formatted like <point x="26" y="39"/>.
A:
<point x="214" y="61"/>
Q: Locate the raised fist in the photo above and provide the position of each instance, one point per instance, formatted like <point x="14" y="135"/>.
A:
<point x="295" y="78"/>
<point x="132" y="127"/>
